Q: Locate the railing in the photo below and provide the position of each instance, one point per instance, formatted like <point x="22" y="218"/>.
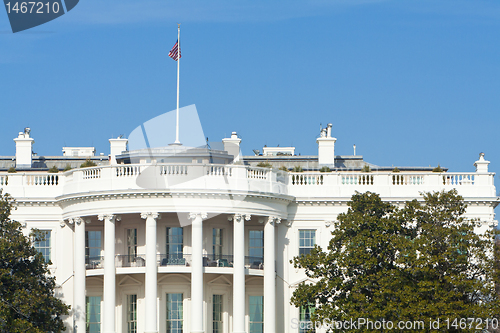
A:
<point x="137" y="260"/>
<point x="173" y="169"/>
<point x="257" y="173"/>
<point x="174" y="259"/>
<point x="96" y="262"/>
<point x="43" y="179"/>
<point x="92" y="173"/>
<point x="4" y="180"/>
<point x="219" y="170"/>
<point x="128" y="171"/>
<point x="458" y="179"/>
<point x="398" y="179"/>
<point x="254" y="262"/>
<point x="307" y="179"/>
<point x="357" y="179"/>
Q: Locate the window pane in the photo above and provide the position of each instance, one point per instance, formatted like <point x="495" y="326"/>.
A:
<point x="256" y="312"/>
<point x="174" y="313"/>
<point x="43" y="244"/>
<point x="131" y="313"/>
<point x="217" y="314"/>
<point x="93" y="314"/>
<point x="307" y="240"/>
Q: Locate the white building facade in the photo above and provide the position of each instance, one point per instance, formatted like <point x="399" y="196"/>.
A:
<point x="188" y="240"/>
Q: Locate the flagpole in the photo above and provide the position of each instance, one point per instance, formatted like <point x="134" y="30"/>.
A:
<point x="178" y="69"/>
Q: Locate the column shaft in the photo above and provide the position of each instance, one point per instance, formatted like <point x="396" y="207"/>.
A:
<point x="108" y="313"/>
<point x="151" y="274"/>
<point x="197" y="275"/>
<point x="239" y="275"/>
<point x="269" y="279"/>
<point x="79" y="280"/>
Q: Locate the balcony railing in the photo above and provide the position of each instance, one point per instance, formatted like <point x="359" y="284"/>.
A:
<point x="176" y="259"/>
<point x="240" y="178"/>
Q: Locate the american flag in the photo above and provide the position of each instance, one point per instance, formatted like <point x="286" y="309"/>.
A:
<point x="175" y="52"/>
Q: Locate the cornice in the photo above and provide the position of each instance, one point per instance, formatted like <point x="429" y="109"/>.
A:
<point x="100" y="196"/>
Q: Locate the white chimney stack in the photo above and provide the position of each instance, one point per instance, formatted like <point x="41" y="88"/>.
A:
<point x="117" y="147"/>
<point x="24" y="149"/>
<point x="232" y="145"/>
<point x="326" y="147"/>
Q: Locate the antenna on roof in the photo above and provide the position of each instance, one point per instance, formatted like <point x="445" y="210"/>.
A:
<point x="208" y="144"/>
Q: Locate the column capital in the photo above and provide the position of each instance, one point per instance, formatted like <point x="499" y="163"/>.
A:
<point x="328" y="223"/>
<point x="109" y="217"/>
<point x="192" y="216"/>
<point x="238" y="217"/>
<point x="154" y="215"/>
<point x="273" y="220"/>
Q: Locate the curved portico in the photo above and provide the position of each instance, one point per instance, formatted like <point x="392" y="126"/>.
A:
<point x="200" y="212"/>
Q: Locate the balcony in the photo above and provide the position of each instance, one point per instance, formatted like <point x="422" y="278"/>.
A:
<point x="172" y="177"/>
<point x="178" y="259"/>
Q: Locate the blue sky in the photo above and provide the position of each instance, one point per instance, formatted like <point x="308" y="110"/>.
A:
<point x="411" y="83"/>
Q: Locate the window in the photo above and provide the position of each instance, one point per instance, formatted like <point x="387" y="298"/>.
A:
<point x="175" y="246"/>
<point x="217" y="243"/>
<point x="93" y="314"/>
<point x="131" y="245"/>
<point x="217" y="314"/>
<point x="174" y="313"/>
<point x="92" y="247"/>
<point x="305" y="325"/>
<point x="42" y="244"/>
<point x="256" y="245"/>
<point x="131" y="313"/>
<point x="256" y="312"/>
<point x="307" y="240"/>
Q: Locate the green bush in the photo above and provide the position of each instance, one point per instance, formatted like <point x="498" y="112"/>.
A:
<point x="365" y="168"/>
<point x="264" y="165"/>
<point x="325" y="169"/>
<point x="12" y="170"/>
<point x="437" y="169"/>
<point x="54" y="169"/>
<point x="284" y="168"/>
<point x="87" y="164"/>
<point x="298" y="168"/>
<point x="68" y="167"/>
<point x="395" y="169"/>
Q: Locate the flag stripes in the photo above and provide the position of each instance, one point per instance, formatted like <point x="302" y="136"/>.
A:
<point x="175" y="52"/>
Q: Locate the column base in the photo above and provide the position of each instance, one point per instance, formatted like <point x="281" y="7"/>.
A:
<point x="150" y="331"/>
<point x="197" y="331"/>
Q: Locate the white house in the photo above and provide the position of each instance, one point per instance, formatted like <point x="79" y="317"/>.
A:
<point x="177" y="239"/>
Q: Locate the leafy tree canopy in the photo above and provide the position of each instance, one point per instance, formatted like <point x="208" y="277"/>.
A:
<point x="27" y="301"/>
<point x="424" y="261"/>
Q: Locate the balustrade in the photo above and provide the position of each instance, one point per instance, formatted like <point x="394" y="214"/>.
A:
<point x="92" y="173"/>
<point x="43" y="179"/>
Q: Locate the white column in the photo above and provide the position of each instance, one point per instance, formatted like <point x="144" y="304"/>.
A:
<point x="109" y="288"/>
<point x="269" y="277"/>
<point x="151" y="273"/>
<point x="197" y="272"/>
<point x="239" y="273"/>
<point x="79" y="305"/>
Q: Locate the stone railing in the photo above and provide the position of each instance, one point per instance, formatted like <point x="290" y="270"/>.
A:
<point x="241" y="179"/>
<point x="345" y="184"/>
<point x="198" y="177"/>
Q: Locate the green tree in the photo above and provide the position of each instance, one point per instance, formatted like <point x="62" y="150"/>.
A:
<point x="418" y="263"/>
<point x="27" y="301"/>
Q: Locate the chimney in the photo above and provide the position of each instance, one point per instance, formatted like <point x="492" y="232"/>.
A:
<point x="24" y="149"/>
<point x="326" y="147"/>
<point x="232" y="146"/>
<point x="117" y="147"/>
<point x="481" y="164"/>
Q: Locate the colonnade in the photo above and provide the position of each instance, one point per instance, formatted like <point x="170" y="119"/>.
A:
<point x="108" y="323"/>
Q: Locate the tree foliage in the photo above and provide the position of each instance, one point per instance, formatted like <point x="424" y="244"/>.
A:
<point x="424" y="261"/>
<point x="27" y="301"/>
